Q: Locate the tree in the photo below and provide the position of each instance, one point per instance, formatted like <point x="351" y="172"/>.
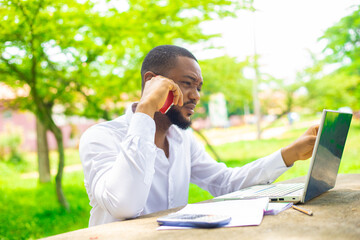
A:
<point x="343" y="43"/>
<point x="83" y="55"/>
<point x="225" y="74"/>
<point x="334" y="80"/>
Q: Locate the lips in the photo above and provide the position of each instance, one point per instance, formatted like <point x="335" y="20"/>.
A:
<point x="189" y="108"/>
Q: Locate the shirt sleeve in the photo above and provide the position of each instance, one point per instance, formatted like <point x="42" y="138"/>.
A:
<point x="218" y="179"/>
<point x="119" y="165"/>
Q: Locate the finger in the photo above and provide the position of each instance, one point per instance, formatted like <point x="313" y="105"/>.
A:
<point x="170" y="83"/>
<point x="181" y="97"/>
<point x="317" y="129"/>
<point x="178" y="96"/>
<point x="309" y="139"/>
<point x="313" y="130"/>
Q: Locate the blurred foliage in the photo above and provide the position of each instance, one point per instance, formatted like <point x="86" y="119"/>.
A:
<point x="334" y="80"/>
<point x="225" y="74"/>
<point x="343" y="43"/>
<point x="277" y="96"/>
<point x="87" y="54"/>
<point x="9" y="147"/>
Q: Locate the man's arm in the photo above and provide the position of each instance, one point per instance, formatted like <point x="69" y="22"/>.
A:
<point x="301" y="148"/>
<point x="118" y="165"/>
<point x="218" y="179"/>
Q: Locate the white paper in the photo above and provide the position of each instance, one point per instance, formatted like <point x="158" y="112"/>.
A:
<point x="242" y="212"/>
<point x="275" y="208"/>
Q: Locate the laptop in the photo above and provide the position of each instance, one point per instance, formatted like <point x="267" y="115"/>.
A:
<point x="323" y="170"/>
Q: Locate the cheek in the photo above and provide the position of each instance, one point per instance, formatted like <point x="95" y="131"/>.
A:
<point x="182" y="89"/>
<point x="184" y="93"/>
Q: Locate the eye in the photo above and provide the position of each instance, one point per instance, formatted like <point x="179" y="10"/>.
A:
<point x="186" y="83"/>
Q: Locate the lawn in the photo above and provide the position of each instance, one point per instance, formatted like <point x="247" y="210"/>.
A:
<point x="29" y="210"/>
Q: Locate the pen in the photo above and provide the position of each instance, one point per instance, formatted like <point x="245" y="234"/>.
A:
<point x="308" y="212"/>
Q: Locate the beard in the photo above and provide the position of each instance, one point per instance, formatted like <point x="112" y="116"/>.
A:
<point x="175" y="116"/>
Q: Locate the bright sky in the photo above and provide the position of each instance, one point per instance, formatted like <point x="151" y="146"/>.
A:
<point x="285" y="31"/>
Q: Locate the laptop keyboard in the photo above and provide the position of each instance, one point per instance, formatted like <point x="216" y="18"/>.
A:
<point x="279" y="190"/>
<point x="276" y="190"/>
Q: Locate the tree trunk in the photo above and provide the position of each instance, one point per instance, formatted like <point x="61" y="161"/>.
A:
<point x="43" y="152"/>
<point x="44" y="115"/>
<point x="58" y="179"/>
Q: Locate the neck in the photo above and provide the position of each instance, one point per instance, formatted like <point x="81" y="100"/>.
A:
<point x="162" y="123"/>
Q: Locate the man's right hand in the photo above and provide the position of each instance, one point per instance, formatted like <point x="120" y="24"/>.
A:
<point x="155" y="93"/>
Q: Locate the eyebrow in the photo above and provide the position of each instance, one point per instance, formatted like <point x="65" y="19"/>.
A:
<point x="193" y="79"/>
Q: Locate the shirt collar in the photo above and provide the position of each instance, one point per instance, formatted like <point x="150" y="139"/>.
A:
<point x="175" y="133"/>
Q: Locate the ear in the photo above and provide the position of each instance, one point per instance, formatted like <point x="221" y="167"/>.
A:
<point x="148" y="75"/>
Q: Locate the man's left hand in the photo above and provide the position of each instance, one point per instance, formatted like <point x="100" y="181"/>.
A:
<point x="301" y="148"/>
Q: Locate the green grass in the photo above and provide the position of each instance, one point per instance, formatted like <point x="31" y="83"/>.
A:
<point x="30" y="163"/>
<point x="29" y="210"/>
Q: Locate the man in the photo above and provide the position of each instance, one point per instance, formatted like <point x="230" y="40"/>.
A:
<point x="143" y="161"/>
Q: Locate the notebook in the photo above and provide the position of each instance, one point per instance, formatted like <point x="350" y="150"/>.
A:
<point x="323" y="170"/>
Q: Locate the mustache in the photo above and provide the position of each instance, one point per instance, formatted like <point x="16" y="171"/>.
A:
<point x="190" y="102"/>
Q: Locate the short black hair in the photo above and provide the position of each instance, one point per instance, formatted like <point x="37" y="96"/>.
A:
<point x="162" y="58"/>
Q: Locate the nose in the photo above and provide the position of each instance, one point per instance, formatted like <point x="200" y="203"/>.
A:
<point x="194" y="95"/>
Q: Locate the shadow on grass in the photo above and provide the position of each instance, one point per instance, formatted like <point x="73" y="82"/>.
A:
<point x="35" y="213"/>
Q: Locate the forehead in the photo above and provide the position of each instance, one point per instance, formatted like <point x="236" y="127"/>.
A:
<point x="186" y="66"/>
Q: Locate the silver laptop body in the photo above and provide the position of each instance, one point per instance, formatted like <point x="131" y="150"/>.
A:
<point x="323" y="170"/>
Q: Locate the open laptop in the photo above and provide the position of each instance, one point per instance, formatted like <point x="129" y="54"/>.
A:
<point x="323" y="170"/>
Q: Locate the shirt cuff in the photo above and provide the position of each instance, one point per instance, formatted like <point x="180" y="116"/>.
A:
<point x="279" y="161"/>
<point x="142" y="125"/>
<point x="277" y="164"/>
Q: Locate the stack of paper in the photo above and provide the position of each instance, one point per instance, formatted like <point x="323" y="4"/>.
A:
<point x="275" y="208"/>
<point x="242" y="212"/>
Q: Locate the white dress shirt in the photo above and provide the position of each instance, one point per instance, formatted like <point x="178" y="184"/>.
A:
<point x="126" y="175"/>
